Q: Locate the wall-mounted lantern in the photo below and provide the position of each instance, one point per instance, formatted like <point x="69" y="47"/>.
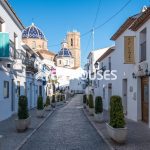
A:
<point x="133" y="75"/>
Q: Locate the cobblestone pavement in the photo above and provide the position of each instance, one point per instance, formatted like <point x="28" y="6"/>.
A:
<point x="67" y="129"/>
<point x="11" y="138"/>
<point x="138" y="134"/>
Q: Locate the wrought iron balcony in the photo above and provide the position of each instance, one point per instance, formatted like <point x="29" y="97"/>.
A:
<point x="30" y="67"/>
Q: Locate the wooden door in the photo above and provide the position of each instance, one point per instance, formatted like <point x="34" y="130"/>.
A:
<point x="125" y="96"/>
<point x="145" y="99"/>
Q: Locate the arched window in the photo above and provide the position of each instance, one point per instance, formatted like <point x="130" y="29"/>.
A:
<point x="71" y="42"/>
<point x="33" y="44"/>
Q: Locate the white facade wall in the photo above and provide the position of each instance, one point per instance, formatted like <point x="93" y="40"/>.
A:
<point x="12" y="26"/>
<point x="124" y="71"/>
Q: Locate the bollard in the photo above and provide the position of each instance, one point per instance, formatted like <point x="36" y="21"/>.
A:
<point x="1" y="141"/>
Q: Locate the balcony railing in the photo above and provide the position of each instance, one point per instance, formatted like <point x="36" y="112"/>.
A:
<point x="30" y="67"/>
<point x="143" y="51"/>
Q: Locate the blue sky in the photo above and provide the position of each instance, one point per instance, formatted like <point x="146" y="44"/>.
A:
<point x="56" y="17"/>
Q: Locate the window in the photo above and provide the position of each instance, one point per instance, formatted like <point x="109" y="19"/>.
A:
<point x="18" y="88"/>
<point x="71" y="42"/>
<point x="67" y="62"/>
<point x="25" y="89"/>
<point x="103" y="92"/>
<point x="109" y="63"/>
<point x="15" y="41"/>
<point x="40" y="90"/>
<point x="6" y="89"/>
<point x="1" y="24"/>
<point x="60" y="62"/>
<point x="143" y="45"/>
<point x="33" y="44"/>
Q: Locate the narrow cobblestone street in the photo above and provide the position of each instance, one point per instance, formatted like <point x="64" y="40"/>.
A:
<point x="67" y="129"/>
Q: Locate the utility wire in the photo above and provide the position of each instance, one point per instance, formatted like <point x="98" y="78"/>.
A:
<point x="94" y="22"/>
<point x="119" y="11"/>
<point x="101" y="25"/>
<point x="99" y="5"/>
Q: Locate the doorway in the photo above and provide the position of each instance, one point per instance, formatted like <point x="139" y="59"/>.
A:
<point x="12" y="96"/>
<point x="125" y="94"/>
<point x="109" y="94"/>
<point x="145" y="99"/>
<point x="30" y="95"/>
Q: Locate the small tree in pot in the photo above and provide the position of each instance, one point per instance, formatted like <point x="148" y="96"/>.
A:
<point x="53" y="101"/>
<point x="40" y="107"/>
<point x="23" y="121"/>
<point x="48" y="104"/>
<point x="87" y="102"/>
<point x="116" y="127"/>
<point x="58" y="98"/>
<point x="62" y="98"/>
<point x="98" y="109"/>
<point x="91" y="105"/>
<point x="84" y="100"/>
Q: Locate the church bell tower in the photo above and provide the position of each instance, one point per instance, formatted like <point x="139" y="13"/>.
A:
<point x="73" y="40"/>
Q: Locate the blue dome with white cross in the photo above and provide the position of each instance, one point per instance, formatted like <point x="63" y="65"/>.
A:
<point x="33" y="32"/>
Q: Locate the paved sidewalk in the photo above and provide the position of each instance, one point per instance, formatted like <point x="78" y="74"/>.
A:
<point x="138" y="134"/>
<point x="11" y="138"/>
<point x="67" y="129"/>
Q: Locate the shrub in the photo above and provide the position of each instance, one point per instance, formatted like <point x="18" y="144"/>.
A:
<point x="91" y="104"/>
<point x="58" y="98"/>
<point x="98" y="105"/>
<point x="62" y="97"/>
<point x="53" y="98"/>
<point x="23" y="108"/>
<point x="87" y="100"/>
<point x="84" y="99"/>
<point x="116" y="112"/>
<point x="47" y="101"/>
<point x="40" y="105"/>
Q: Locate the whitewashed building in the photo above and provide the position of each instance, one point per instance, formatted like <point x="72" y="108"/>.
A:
<point x="12" y="55"/>
<point x="22" y="71"/>
<point x="130" y="59"/>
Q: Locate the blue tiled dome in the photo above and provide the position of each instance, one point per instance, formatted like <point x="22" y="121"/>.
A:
<point x="33" y="32"/>
<point x="64" y="53"/>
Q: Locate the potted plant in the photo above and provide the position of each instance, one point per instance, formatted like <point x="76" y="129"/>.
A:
<point x="116" y="127"/>
<point x="62" y="98"/>
<point x="84" y="101"/>
<point x="40" y="107"/>
<point x="23" y="121"/>
<point x="98" y="115"/>
<point x="48" y="104"/>
<point x="58" y="98"/>
<point x="53" y="101"/>
<point x="91" y="105"/>
<point x="87" y="102"/>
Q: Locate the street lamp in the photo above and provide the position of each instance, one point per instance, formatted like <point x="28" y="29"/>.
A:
<point x="33" y="57"/>
<point x="96" y="65"/>
<point x="133" y="75"/>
